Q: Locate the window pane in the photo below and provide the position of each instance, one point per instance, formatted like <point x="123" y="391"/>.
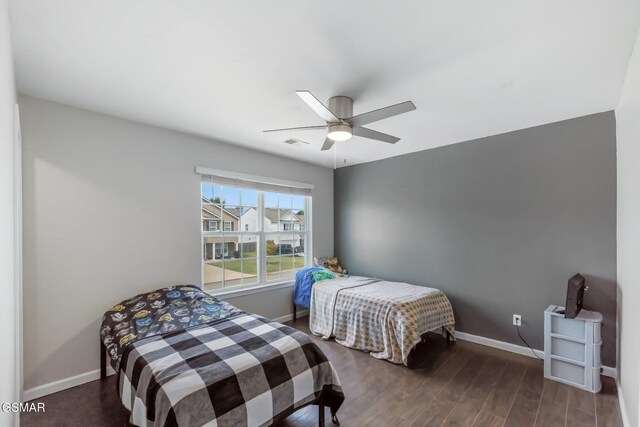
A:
<point x="297" y="202"/>
<point x="248" y="219"/>
<point x="231" y="218"/>
<point x="249" y="247"/>
<point x="270" y="200"/>
<point x="285" y="201"/>
<point x="287" y="243"/>
<point x="249" y="271"/>
<point x="210" y="245"/>
<point x="299" y="245"/>
<point x="273" y="268"/>
<point x="232" y="272"/>
<point x="207" y="191"/>
<point x="216" y="195"/>
<point x="231" y="195"/>
<point x="249" y="197"/>
<point x="300" y="217"/>
<point x="210" y="209"/>
<point x="213" y="272"/>
<point x="223" y="264"/>
<point x="288" y="268"/>
<point x="271" y="219"/>
<point x="283" y="267"/>
<point x="216" y="250"/>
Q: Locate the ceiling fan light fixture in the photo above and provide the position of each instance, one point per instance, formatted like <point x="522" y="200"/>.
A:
<point x="339" y="132"/>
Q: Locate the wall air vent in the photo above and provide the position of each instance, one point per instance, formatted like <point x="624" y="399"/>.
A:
<point x="293" y="141"/>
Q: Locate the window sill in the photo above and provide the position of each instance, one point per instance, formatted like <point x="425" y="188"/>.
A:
<point x="232" y="293"/>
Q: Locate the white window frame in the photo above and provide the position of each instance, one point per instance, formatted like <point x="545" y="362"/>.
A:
<point x="262" y="237"/>
<point x="285" y="224"/>
<point x="246" y="227"/>
<point x="224" y="226"/>
<point x="215" y="225"/>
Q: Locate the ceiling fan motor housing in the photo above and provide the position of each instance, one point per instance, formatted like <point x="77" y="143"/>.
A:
<point x="341" y="106"/>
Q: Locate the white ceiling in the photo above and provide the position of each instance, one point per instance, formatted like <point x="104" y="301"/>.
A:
<point x="228" y="70"/>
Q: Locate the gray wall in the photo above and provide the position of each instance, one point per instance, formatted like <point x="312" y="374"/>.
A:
<point x="111" y="209"/>
<point x="8" y="326"/>
<point x="499" y="224"/>
<point x="628" y="132"/>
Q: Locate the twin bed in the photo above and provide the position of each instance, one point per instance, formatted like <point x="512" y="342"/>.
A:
<point x="387" y="319"/>
<point x="185" y="358"/>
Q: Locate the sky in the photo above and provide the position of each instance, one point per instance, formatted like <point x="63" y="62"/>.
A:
<point x="240" y="197"/>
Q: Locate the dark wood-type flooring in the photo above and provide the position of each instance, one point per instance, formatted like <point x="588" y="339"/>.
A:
<point x="464" y="384"/>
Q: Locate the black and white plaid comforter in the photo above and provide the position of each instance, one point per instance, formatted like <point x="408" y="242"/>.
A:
<point x="241" y="371"/>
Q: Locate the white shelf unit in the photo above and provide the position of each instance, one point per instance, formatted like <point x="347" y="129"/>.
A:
<point x="572" y="348"/>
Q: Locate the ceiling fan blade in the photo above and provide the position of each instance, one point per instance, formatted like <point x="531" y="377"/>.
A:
<point x="328" y="143"/>
<point x="382" y="113"/>
<point x="374" y="134"/>
<point x="318" y="106"/>
<point x="298" y="128"/>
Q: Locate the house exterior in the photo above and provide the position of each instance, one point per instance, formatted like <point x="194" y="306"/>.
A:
<point x="289" y="221"/>
<point x="217" y="218"/>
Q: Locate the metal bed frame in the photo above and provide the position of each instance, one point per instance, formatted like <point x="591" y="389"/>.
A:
<point x="319" y="402"/>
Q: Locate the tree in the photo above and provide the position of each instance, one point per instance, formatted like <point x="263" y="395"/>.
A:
<point x="272" y="249"/>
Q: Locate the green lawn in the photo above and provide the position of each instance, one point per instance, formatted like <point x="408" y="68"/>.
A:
<point x="273" y="264"/>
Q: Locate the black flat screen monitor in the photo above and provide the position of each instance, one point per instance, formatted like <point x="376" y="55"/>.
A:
<point x="575" y="293"/>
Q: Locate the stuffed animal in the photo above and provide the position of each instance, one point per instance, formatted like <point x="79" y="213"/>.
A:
<point x="330" y="263"/>
<point x="335" y="266"/>
<point x="320" y="261"/>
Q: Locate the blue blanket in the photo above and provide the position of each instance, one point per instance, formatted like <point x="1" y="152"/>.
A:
<point x="304" y="282"/>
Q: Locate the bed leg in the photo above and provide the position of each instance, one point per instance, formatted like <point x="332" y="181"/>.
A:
<point x="447" y="336"/>
<point x="295" y="312"/>
<point x="334" y="419"/>
<point x="321" y="413"/>
<point x="103" y="360"/>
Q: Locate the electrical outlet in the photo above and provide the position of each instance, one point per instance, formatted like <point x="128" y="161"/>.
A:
<point x="517" y="320"/>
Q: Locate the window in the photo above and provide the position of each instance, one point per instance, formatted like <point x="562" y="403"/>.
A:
<point x="222" y="250"/>
<point x="259" y="241"/>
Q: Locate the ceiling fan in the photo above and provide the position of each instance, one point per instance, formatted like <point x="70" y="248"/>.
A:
<point x="341" y="124"/>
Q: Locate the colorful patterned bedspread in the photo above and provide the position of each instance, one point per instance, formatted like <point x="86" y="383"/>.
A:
<point x="158" y="312"/>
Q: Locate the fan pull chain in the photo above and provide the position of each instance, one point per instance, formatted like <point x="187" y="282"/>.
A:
<point x="345" y="154"/>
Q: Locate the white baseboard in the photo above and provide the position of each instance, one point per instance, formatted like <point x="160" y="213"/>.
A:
<point x="501" y="345"/>
<point x="623" y="407"/>
<point x="63" y="384"/>
<point x="76" y="380"/>
<point x="607" y="371"/>
<point x="288" y="317"/>
<point x="610" y="372"/>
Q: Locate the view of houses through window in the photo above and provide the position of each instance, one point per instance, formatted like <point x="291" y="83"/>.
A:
<point x="251" y="237"/>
